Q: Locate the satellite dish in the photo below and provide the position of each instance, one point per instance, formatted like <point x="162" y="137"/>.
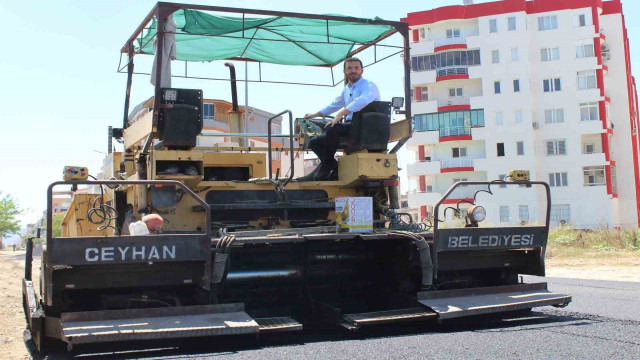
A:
<point x="467" y="2"/>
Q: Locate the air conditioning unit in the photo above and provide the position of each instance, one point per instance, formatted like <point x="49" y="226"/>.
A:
<point x="534" y="124"/>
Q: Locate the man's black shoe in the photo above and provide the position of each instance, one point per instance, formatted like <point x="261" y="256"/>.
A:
<point x="309" y="176"/>
<point x="325" y="170"/>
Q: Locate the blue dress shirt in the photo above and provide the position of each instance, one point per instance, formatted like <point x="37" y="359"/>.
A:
<point x="354" y="97"/>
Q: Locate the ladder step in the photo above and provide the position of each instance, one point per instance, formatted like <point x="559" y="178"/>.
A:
<point x="388" y="316"/>
<point x="278" y="324"/>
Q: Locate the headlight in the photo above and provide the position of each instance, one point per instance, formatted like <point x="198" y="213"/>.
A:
<point x="476" y="214"/>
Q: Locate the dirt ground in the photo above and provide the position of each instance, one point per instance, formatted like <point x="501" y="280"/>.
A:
<point x="622" y="267"/>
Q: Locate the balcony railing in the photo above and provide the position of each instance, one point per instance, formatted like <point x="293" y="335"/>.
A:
<point x="455" y="131"/>
<point x="453" y="70"/>
<point x="458" y="100"/>
<point x="449" y="41"/>
<point x="458" y="162"/>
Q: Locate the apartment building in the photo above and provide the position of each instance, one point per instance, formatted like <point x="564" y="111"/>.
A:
<point x="539" y="85"/>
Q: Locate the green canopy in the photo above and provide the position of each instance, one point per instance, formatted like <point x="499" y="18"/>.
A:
<point x="278" y="40"/>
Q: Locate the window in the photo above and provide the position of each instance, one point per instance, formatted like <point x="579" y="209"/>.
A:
<point x="429" y="188"/>
<point x="589" y="111"/>
<point x="547" y="23"/>
<point x="496" y="87"/>
<point x="500" y="149"/>
<point x="585" y="50"/>
<point x="581" y="20"/>
<point x="501" y="178"/>
<point x="594" y="175"/>
<point x="516" y="85"/>
<point x="560" y="212"/>
<point x="556" y="147"/>
<point x="511" y="23"/>
<point x="589" y="149"/>
<point x="558" y="179"/>
<point x="207" y="110"/>
<point x="551" y="85"/>
<point x="520" y="148"/>
<point x="453" y="92"/>
<point x="514" y="54"/>
<point x="523" y="213"/>
<point x="517" y="116"/>
<point x="499" y="120"/>
<point x="453" y="33"/>
<point x="444" y="59"/>
<point x="276" y="128"/>
<point x="493" y="25"/>
<point x="587" y="80"/>
<point x="495" y="56"/>
<point x="448" y="119"/>
<point x="424" y="93"/>
<point x="504" y="213"/>
<point x="459" y="152"/>
<point x="549" y="54"/>
<point x="554" y="116"/>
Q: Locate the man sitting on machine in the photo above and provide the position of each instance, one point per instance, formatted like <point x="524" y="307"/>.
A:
<point x="357" y="94"/>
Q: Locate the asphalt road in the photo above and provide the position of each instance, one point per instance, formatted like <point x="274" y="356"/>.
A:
<point x="602" y="322"/>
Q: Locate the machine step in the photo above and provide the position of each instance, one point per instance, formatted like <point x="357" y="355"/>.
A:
<point x="278" y="324"/>
<point x="449" y="304"/>
<point x="387" y="316"/>
<point x="156" y="323"/>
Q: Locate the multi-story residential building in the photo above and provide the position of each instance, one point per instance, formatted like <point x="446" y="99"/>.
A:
<point x="538" y="85"/>
<point x="217" y="118"/>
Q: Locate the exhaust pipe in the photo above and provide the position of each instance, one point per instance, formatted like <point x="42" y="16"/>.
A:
<point x="236" y="125"/>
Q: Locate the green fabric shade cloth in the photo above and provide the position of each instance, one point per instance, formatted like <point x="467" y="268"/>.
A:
<point x="277" y="40"/>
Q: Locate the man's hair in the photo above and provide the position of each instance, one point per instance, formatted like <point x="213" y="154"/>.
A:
<point x="351" y="59"/>
<point x="344" y="67"/>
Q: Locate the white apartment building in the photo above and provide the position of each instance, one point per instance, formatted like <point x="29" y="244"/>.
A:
<point x="539" y="85"/>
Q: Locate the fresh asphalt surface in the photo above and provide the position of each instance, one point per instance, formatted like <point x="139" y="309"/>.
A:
<point x="602" y="322"/>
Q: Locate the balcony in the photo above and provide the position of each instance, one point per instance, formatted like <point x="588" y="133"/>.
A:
<point x="450" y="43"/>
<point x="420" y="137"/>
<point x="454" y="103"/>
<point x="593" y="159"/>
<point x="424" y="107"/>
<point x="590" y="127"/>
<point x="458" y="132"/>
<point x="417" y="199"/>
<point x="423" y="168"/>
<point x="452" y="73"/>
<point x="460" y="193"/>
<point x="456" y="164"/>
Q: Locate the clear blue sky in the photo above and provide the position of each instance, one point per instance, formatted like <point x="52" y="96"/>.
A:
<point x="60" y="90"/>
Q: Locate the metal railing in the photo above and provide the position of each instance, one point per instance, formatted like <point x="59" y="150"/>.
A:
<point x="452" y="70"/>
<point x="455" y="131"/>
<point x="456" y="162"/>
<point x="458" y="100"/>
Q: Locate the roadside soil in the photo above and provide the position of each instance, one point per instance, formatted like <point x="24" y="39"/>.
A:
<point x="617" y="267"/>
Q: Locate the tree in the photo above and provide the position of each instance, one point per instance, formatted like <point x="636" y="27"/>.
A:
<point x="9" y="210"/>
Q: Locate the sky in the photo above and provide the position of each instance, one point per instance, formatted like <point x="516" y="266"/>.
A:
<point x="61" y="89"/>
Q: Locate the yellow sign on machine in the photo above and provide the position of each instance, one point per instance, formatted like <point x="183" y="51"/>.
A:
<point x="75" y="173"/>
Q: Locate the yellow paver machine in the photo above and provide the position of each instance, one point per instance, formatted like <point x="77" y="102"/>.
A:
<point x="244" y="250"/>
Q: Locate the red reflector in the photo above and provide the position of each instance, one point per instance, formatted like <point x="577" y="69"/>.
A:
<point x="390" y="183"/>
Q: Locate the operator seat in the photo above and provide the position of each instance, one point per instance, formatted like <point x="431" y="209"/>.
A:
<point x="370" y="129"/>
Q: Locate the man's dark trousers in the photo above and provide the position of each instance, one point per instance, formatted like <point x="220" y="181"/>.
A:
<point x="326" y="145"/>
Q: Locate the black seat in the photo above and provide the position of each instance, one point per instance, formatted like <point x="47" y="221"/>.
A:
<point x="370" y="129"/>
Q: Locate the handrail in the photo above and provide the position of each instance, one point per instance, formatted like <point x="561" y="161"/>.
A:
<point x="49" y="240"/>
<point x="436" y="208"/>
<point x="453" y="70"/>
<point x="290" y="143"/>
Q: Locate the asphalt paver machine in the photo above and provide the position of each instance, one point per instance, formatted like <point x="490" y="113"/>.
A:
<point x="244" y="251"/>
